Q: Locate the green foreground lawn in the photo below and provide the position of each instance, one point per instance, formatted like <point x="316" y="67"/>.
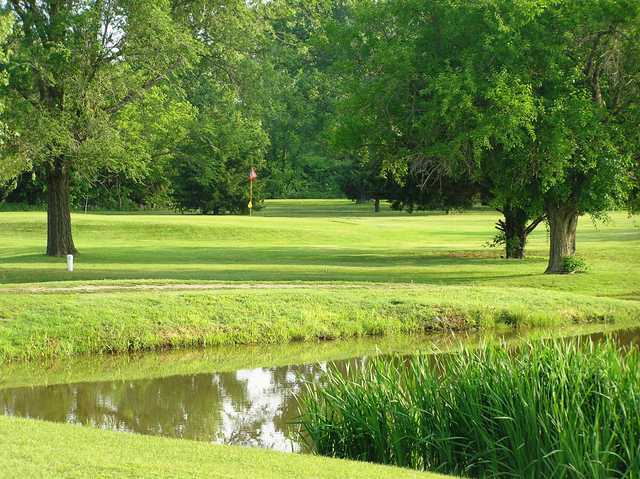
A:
<point x="34" y="449"/>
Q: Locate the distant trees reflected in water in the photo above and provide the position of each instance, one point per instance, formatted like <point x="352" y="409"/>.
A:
<point x="247" y="407"/>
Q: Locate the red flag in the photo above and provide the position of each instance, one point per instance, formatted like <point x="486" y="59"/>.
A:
<point x="253" y="175"/>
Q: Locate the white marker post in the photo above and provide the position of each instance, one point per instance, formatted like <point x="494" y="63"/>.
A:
<point x="70" y="263"/>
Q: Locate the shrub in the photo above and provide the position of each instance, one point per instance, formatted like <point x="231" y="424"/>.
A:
<point x="542" y="410"/>
<point x="574" y="264"/>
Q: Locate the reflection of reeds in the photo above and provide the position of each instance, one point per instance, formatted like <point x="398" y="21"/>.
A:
<point x="544" y="409"/>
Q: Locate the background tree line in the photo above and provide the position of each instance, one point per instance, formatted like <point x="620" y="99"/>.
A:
<point x="245" y="90"/>
<point x="531" y="107"/>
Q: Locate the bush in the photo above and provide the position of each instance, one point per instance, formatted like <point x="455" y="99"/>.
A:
<point x="574" y="264"/>
<point x="542" y="410"/>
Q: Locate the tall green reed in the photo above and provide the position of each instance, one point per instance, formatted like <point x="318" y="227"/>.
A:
<point x="545" y="409"/>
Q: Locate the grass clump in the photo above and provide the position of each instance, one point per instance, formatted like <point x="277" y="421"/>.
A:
<point x="545" y="409"/>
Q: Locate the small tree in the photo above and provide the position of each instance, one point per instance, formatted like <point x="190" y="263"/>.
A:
<point x="363" y="179"/>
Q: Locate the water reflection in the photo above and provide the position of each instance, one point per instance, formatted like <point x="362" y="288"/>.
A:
<point x="252" y="407"/>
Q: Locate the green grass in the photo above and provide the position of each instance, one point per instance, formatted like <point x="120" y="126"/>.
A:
<point x="37" y="449"/>
<point x="365" y="275"/>
<point x="42" y="326"/>
<point x="554" y="410"/>
<point x="437" y="249"/>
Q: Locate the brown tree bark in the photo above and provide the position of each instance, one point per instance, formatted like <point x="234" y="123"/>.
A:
<point x="563" y="222"/>
<point x="516" y="229"/>
<point x="515" y="232"/>
<point x="376" y="205"/>
<point x="59" y="237"/>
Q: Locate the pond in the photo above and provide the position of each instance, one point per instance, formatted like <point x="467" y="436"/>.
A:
<point x="214" y="401"/>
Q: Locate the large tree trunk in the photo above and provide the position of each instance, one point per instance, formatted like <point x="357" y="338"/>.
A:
<point x="59" y="239"/>
<point x="376" y="205"/>
<point x="563" y="221"/>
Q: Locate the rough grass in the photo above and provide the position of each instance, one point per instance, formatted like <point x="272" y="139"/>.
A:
<point x="44" y="326"/>
<point x="37" y="449"/>
<point x="555" y="409"/>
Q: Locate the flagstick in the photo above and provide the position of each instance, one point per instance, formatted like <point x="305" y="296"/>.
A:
<point x="252" y="178"/>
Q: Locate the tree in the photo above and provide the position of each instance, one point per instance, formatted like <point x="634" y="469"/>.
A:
<point x="77" y="72"/>
<point x="634" y="198"/>
<point x="537" y="98"/>
<point x="588" y="109"/>
<point x="514" y="230"/>
<point x="398" y="83"/>
<point x="366" y="179"/>
<point x="6" y="24"/>
<point x="297" y="100"/>
<point x="515" y="196"/>
<point x="210" y="167"/>
<point x="363" y="179"/>
<point x="226" y="138"/>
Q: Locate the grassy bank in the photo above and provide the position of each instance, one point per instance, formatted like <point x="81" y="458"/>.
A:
<point x="43" y="326"/>
<point x="37" y="449"/>
<point x="153" y="365"/>
<point x="543" y="410"/>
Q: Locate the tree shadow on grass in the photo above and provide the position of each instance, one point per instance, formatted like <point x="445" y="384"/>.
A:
<point x="296" y="256"/>
<point x="31" y="275"/>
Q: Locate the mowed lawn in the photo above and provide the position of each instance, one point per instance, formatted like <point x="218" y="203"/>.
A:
<point x="319" y="240"/>
<point x="34" y="449"/>
<point x="339" y="272"/>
